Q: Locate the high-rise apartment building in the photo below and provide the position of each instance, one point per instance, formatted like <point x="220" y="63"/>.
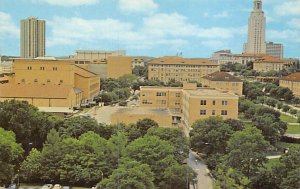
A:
<point x="256" y="43"/>
<point x="32" y="38"/>
<point x="274" y="49"/>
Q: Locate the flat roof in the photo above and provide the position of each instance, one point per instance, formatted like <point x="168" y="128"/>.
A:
<point x="144" y="111"/>
<point x="182" y="61"/>
<point x="210" y="93"/>
<point x="154" y="88"/>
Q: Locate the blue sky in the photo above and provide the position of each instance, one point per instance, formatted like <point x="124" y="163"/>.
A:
<point x="196" y="28"/>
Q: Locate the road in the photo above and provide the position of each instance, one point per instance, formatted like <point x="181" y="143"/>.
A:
<point x="204" y="180"/>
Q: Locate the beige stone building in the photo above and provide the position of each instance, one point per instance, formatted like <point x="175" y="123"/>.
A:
<point x="118" y="66"/>
<point x="33" y="38"/>
<point x="266" y="64"/>
<point x="50" y="83"/>
<point x="223" y="81"/>
<point x="180" y="69"/>
<point x="189" y="103"/>
<point x="292" y="82"/>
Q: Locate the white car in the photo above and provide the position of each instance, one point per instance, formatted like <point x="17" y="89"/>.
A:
<point x="57" y="186"/>
<point x="47" y="186"/>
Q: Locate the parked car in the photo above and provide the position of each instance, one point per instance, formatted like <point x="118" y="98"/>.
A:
<point x="57" y="186"/>
<point x="13" y="186"/>
<point x="47" y="186"/>
<point x="67" y="187"/>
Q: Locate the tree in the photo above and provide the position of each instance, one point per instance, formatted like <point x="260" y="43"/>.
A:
<point x="10" y="154"/>
<point x="285" y="108"/>
<point x="144" y="124"/>
<point x="130" y="174"/>
<point x="151" y="150"/>
<point x="209" y="136"/>
<point x="247" y="151"/>
<point x="31" y="166"/>
<point x="177" y="177"/>
<point x="140" y="71"/>
<point x="175" y="137"/>
<point x="76" y="126"/>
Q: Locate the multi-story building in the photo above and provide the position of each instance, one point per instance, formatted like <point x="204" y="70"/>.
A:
<point x="33" y="38"/>
<point x="266" y="64"/>
<point x="256" y="43"/>
<point x="118" y="66"/>
<point x="90" y="56"/>
<point x="180" y="69"/>
<point x="50" y="83"/>
<point x="189" y="103"/>
<point x="292" y="82"/>
<point x="274" y="49"/>
<point x="223" y="81"/>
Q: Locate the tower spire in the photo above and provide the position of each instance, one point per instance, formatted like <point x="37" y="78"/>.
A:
<point x="257" y="5"/>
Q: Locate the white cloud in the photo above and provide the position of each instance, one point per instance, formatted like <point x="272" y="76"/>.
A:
<point x="288" y="7"/>
<point x="157" y="30"/>
<point x="68" y="3"/>
<point x="136" y="6"/>
<point x="289" y="35"/>
<point x="7" y="27"/>
<point x="294" y="23"/>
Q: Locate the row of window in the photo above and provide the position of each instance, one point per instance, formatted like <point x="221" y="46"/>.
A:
<point x="36" y="80"/>
<point x="204" y="102"/>
<point x="161" y="94"/>
<point x="213" y="112"/>
<point x="180" y="66"/>
<point x="42" y="68"/>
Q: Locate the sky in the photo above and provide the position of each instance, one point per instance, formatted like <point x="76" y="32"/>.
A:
<point x="195" y="28"/>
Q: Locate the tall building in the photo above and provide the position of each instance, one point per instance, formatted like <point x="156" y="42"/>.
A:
<point x="256" y="43"/>
<point x="32" y="38"/>
<point x="275" y="49"/>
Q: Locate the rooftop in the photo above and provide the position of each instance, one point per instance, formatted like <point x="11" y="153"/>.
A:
<point x="221" y="76"/>
<point x="292" y="77"/>
<point x="83" y="72"/>
<point x="210" y="92"/>
<point x="144" y="110"/>
<point x="269" y="59"/>
<point x="181" y="61"/>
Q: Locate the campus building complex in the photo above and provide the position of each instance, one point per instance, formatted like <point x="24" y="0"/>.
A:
<point x="223" y="81"/>
<point x="292" y="82"/>
<point x="180" y="69"/>
<point x="32" y="38"/>
<point x="269" y="63"/>
<point x="181" y="104"/>
<point x="274" y="49"/>
<point x="50" y="83"/>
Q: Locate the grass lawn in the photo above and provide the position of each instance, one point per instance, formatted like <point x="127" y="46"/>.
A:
<point x="287" y="118"/>
<point x="293" y="129"/>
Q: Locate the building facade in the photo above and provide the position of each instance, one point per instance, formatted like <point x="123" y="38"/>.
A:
<point x="223" y="81"/>
<point x="256" y="43"/>
<point x="118" y="66"/>
<point x="292" y="82"/>
<point x="266" y="64"/>
<point x="274" y="49"/>
<point x="90" y="56"/>
<point x="50" y="83"/>
<point x="180" y="69"/>
<point x="33" y="38"/>
<point x="189" y="103"/>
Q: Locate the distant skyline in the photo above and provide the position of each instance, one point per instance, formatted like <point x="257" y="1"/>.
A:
<point x="195" y="28"/>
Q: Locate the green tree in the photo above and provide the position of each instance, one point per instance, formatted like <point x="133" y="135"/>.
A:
<point x="175" y="137"/>
<point x="31" y="166"/>
<point x="285" y="108"/>
<point x="140" y="71"/>
<point x="10" y="154"/>
<point x="177" y="177"/>
<point x="247" y="151"/>
<point x="151" y="150"/>
<point x="130" y="174"/>
<point x="209" y="136"/>
<point x="144" y="124"/>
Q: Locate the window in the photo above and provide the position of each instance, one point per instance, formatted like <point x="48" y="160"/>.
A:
<point x="35" y="80"/>
<point x="55" y="68"/>
<point x="213" y="112"/>
<point x="224" y="103"/>
<point x="177" y="103"/>
<point x="23" y="80"/>
<point x="48" y="80"/>
<point x="177" y="94"/>
<point x="203" y="102"/>
<point x="213" y="102"/>
<point x="161" y="94"/>
<point x="29" y="68"/>
<point x="202" y="112"/>
<point x="61" y="81"/>
<point x="42" y="68"/>
<point x="224" y="112"/>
